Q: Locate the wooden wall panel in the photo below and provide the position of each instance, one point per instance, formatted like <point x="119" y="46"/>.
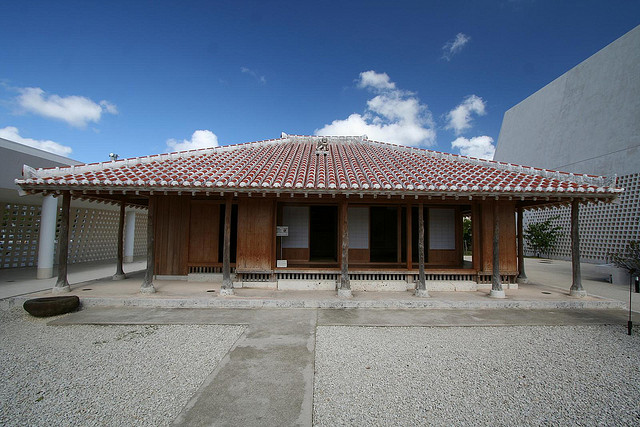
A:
<point x="171" y="235"/>
<point x="255" y="235"/>
<point x="357" y="256"/>
<point x="295" y="254"/>
<point x="443" y="257"/>
<point x="203" y="232"/>
<point x="508" y="253"/>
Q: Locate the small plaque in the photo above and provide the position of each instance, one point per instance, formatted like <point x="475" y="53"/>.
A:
<point x="282" y="230"/>
<point x="281" y="263"/>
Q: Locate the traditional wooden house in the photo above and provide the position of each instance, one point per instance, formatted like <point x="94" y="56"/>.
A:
<point x="309" y="212"/>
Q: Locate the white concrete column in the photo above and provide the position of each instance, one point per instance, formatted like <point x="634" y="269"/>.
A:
<point x="47" y="237"/>
<point x="130" y="231"/>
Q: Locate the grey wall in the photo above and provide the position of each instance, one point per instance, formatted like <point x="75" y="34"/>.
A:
<point x="13" y="156"/>
<point x="585" y="121"/>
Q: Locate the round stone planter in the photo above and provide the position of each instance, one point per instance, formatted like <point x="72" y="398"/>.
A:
<point x="51" y="306"/>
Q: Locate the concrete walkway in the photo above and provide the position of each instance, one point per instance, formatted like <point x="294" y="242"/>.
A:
<point x="267" y="377"/>
<point x="22" y="281"/>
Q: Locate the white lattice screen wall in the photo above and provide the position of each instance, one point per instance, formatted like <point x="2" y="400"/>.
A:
<point x="19" y="235"/>
<point x="93" y="235"/>
<point x="140" y="237"/>
<point x="604" y="228"/>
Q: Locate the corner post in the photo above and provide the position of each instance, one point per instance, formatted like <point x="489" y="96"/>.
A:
<point x="345" y="286"/>
<point x="496" y="285"/>
<point x="227" y="284"/>
<point x="522" y="276"/>
<point x="62" y="285"/>
<point x="576" y="286"/>
<point x="147" y="284"/>
<point x="421" y="288"/>
<point x="119" y="271"/>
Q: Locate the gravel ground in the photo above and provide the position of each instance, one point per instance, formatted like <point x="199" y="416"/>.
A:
<point x="552" y="375"/>
<point x="102" y="375"/>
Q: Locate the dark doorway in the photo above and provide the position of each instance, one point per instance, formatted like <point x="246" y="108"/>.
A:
<point x="383" y="234"/>
<point x="234" y="233"/>
<point x="323" y="233"/>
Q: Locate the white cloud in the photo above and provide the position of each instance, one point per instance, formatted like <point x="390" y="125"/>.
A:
<point x="75" y="110"/>
<point x="375" y="80"/>
<point x="392" y="115"/>
<point x="199" y="139"/>
<point x="478" y="146"/>
<point x="459" y="119"/>
<point x="13" y="134"/>
<point x="454" y="46"/>
<point x="261" y="79"/>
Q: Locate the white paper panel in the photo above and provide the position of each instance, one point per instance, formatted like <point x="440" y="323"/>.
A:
<point x="442" y="229"/>
<point x="297" y="219"/>
<point x="358" y="227"/>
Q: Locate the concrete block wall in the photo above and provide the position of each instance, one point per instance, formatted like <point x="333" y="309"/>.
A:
<point x="93" y="234"/>
<point x="604" y="228"/>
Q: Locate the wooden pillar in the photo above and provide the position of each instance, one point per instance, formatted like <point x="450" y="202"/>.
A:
<point x="496" y="285"/>
<point x="409" y="237"/>
<point x="147" y="284"/>
<point x="227" y="284"/>
<point x="62" y="284"/>
<point x="119" y="271"/>
<point x="576" y="285"/>
<point x="522" y="276"/>
<point x="421" y="286"/>
<point x="345" y="286"/>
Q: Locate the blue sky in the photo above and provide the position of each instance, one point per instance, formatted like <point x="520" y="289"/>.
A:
<point x="139" y="77"/>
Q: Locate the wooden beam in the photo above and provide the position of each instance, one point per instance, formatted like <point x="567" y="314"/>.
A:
<point x="496" y="285"/>
<point x="522" y="276"/>
<point x="409" y="237"/>
<point x="345" y="286"/>
<point x="576" y="285"/>
<point x="227" y="284"/>
<point x="62" y="284"/>
<point x="421" y="286"/>
<point x="119" y="271"/>
<point x="399" y="233"/>
<point x="147" y="284"/>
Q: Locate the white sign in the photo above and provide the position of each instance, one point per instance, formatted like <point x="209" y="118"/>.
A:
<point x="281" y="263"/>
<point x="282" y="230"/>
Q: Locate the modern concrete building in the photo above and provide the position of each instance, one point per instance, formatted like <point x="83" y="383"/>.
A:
<point x="29" y="223"/>
<point x="586" y="121"/>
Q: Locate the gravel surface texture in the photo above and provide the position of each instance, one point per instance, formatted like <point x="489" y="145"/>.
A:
<point x="102" y="375"/>
<point x="542" y="375"/>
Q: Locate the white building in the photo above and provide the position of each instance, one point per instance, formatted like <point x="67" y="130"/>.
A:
<point x="586" y="121"/>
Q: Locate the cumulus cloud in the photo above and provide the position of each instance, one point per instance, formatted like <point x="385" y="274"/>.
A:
<point x="454" y="46"/>
<point x="392" y="115"/>
<point x="199" y="139"/>
<point x="459" y="119"/>
<point x="371" y="79"/>
<point x="13" y="134"/>
<point x="478" y="146"/>
<point x="261" y="79"/>
<point x="75" y="110"/>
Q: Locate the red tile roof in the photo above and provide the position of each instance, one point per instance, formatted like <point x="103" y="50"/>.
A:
<point x="294" y="164"/>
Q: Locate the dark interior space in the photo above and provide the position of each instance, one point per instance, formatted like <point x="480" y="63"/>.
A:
<point x="323" y="233"/>
<point x="383" y="234"/>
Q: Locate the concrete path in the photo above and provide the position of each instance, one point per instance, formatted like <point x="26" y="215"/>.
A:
<point x="22" y="281"/>
<point x="267" y="377"/>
